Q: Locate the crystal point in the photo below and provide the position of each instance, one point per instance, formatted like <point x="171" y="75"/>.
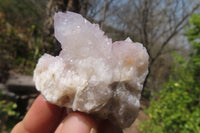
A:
<point x="92" y="74"/>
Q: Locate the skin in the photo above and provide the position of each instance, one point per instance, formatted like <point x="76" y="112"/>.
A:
<point x="44" y="117"/>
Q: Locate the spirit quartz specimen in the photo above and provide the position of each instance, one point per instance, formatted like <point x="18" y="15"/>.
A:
<point x="92" y="74"/>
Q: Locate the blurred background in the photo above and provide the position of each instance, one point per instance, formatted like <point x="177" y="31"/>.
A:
<point x="169" y="29"/>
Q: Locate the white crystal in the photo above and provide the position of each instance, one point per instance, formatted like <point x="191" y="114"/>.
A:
<point x="91" y="74"/>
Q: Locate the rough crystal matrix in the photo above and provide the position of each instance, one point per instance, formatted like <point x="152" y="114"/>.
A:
<point x="92" y="74"/>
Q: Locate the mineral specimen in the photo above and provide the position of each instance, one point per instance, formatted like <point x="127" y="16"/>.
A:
<point x="92" y="74"/>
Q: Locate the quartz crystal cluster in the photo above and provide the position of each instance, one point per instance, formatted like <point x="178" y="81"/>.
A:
<point x="92" y="74"/>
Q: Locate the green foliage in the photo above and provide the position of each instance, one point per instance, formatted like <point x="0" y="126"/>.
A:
<point x="176" y="108"/>
<point x="21" y="44"/>
<point x="22" y="12"/>
<point x="8" y="115"/>
<point x="19" y="48"/>
<point x="193" y="34"/>
<point x="21" y="41"/>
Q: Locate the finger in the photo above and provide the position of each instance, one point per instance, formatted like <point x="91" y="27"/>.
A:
<point x="42" y="117"/>
<point x="77" y="122"/>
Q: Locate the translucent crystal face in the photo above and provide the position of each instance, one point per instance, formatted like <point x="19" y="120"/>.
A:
<point x="92" y="74"/>
<point x="80" y="38"/>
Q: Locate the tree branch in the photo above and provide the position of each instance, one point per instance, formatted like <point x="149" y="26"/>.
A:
<point x="177" y="28"/>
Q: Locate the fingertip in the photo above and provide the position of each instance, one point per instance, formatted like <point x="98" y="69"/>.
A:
<point x="19" y="128"/>
<point x="77" y="122"/>
<point x="42" y="117"/>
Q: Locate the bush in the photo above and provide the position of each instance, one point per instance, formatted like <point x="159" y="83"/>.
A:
<point x="21" y="41"/>
<point x="176" y="108"/>
<point x="8" y="115"/>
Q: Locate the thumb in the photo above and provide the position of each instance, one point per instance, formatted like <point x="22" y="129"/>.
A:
<point x="77" y="122"/>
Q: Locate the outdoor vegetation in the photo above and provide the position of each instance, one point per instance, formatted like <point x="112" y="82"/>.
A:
<point x="169" y="29"/>
<point x="176" y="107"/>
<point x="8" y="114"/>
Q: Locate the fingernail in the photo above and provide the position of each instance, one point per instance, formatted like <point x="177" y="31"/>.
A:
<point x="92" y="130"/>
<point x="59" y="129"/>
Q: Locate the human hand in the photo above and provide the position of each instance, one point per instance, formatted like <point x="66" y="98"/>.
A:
<point x="44" y="117"/>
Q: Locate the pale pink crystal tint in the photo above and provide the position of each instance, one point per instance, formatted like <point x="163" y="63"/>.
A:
<point x="91" y="74"/>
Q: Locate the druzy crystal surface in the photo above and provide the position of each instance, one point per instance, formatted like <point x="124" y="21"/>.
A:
<point x="92" y="74"/>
